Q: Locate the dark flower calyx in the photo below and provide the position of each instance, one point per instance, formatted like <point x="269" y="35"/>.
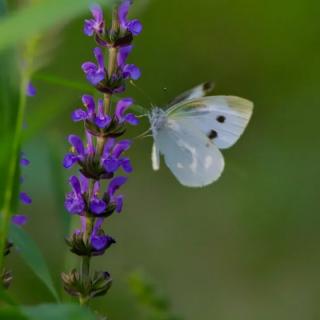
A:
<point x="113" y="130"/>
<point x="6" y="278"/>
<point x="95" y="286"/>
<point x="7" y="248"/>
<point x="82" y="248"/>
<point x="91" y="168"/>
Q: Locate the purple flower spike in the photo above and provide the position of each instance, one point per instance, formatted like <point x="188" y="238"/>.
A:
<point x="133" y="26"/>
<point x="31" y="91"/>
<point x="19" y="219"/>
<point x="121" y="108"/>
<point x="95" y="25"/>
<point x="95" y="73"/>
<point x="25" y="198"/>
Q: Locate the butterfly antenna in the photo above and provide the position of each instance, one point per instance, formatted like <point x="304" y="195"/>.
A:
<point x="143" y="134"/>
<point x="142" y="92"/>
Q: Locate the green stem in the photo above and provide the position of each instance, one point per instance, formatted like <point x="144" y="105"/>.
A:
<point x="6" y="211"/>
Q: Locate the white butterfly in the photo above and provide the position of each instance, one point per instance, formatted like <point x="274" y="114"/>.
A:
<point x="190" y="132"/>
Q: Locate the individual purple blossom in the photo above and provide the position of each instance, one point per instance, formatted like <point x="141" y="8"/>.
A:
<point x="114" y="185"/>
<point x="129" y="71"/>
<point x="95" y="72"/>
<point x="31" y="91"/>
<point x="111" y="158"/>
<point x="99" y="241"/>
<point x="25" y="199"/>
<point x="74" y="201"/>
<point x="80" y="152"/>
<point x="121" y="108"/>
<point x="95" y="25"/>
<point x="19" y="219"/>
<point x="99" y="118"/>
<point x="134" y="26"/>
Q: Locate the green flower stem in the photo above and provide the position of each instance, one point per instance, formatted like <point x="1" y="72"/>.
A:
<point x="6" y="211"/>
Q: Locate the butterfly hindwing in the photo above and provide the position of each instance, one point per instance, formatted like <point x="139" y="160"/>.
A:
<point x="189" y="154"/>
<point x="221" y="118"/>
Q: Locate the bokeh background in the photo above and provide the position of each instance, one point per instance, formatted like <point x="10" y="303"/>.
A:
<point x="247" y="247"/>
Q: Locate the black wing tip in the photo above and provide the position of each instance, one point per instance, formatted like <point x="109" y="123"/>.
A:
<point x="208" y="86"/>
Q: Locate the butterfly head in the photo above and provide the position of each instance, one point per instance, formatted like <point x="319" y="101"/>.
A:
<point x="157" y="118"/>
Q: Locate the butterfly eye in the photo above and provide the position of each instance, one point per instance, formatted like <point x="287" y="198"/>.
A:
<point x="221" y="119"/>
<point x="212" y="134"/>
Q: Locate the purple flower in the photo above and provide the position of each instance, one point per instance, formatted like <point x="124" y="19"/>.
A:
<point x="79" y="152"/>
<point x="97" y="206"/>
<point x="23" y="160"/>
<point x="25" y="199"/>
<point x="101" y="243"/>
<point x="111" y="158"/>
<point x="100" y="118"/>
<point x="129" y="71"/>
<point x="19" y="219"/>
<point x="95" y="72"/>
<point x="121" y="108"/>
<point x="31" y="91"/>
<point x="114" y="185"/>
<point x="95" y="25"/>
<point x="133" y="26"/>
<point x="74" y="202"/>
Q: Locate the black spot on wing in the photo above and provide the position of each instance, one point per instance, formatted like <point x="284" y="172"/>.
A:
<point x="212" y="134"/>
<point x="221" y="119"/>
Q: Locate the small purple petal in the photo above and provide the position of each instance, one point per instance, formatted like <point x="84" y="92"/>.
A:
<point x="25" y="198"/>
<point x="89" y="103"/>
<point x="90" y="145"/>
<point x="97" y="13"/>
<point x="97" y="206"/>
<point x="123" y="11"/>
<point x="108" y="146"/>
<point x="98" y="53"/>
<point x="88" y="28"/>
<point x="101" y="242"/>
<point x="131" y="71"/>
<point x="79" y="115"/>
<point x="111" y="164"/>
<point x="24" y="162"/>
<point x="19" y="219"/>
<point x="75" y="184"/>
<point x="69" y="160"/>
<point x="126" y="165"/>
<point x="135" y="27"/>
<point x="74" y="204"/>
<point x="122" y="107"/>
<point x="31" y="91"/>
<point x="123" y="54"/>
<point x="119" y="203"/>
<point x="115" y="184"/>
<point x="132" y="119"/>
<point x="120" y="147"/>
<point x="76" y="142"/>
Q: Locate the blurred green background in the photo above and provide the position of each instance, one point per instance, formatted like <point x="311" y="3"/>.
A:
<point x="247" y="247"/>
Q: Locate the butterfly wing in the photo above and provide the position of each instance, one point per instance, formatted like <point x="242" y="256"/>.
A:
<point x="194" y="93"/>
<point x="189" y="154"/>
<point x="221" y="118"/>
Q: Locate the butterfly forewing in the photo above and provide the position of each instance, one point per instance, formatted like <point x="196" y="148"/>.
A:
<point x="194" y="93"/>
<point x="221" y="118"/>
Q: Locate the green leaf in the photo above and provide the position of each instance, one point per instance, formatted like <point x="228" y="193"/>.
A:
<point x="40" y="17"/>
<point x="60" y="312"/>
<point x="12" y="314"/>
<point x="31" y="254"/>
<point x="4" y="297"/>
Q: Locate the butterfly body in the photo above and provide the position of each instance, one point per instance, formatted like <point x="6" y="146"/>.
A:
<point x="192" y="130"/>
